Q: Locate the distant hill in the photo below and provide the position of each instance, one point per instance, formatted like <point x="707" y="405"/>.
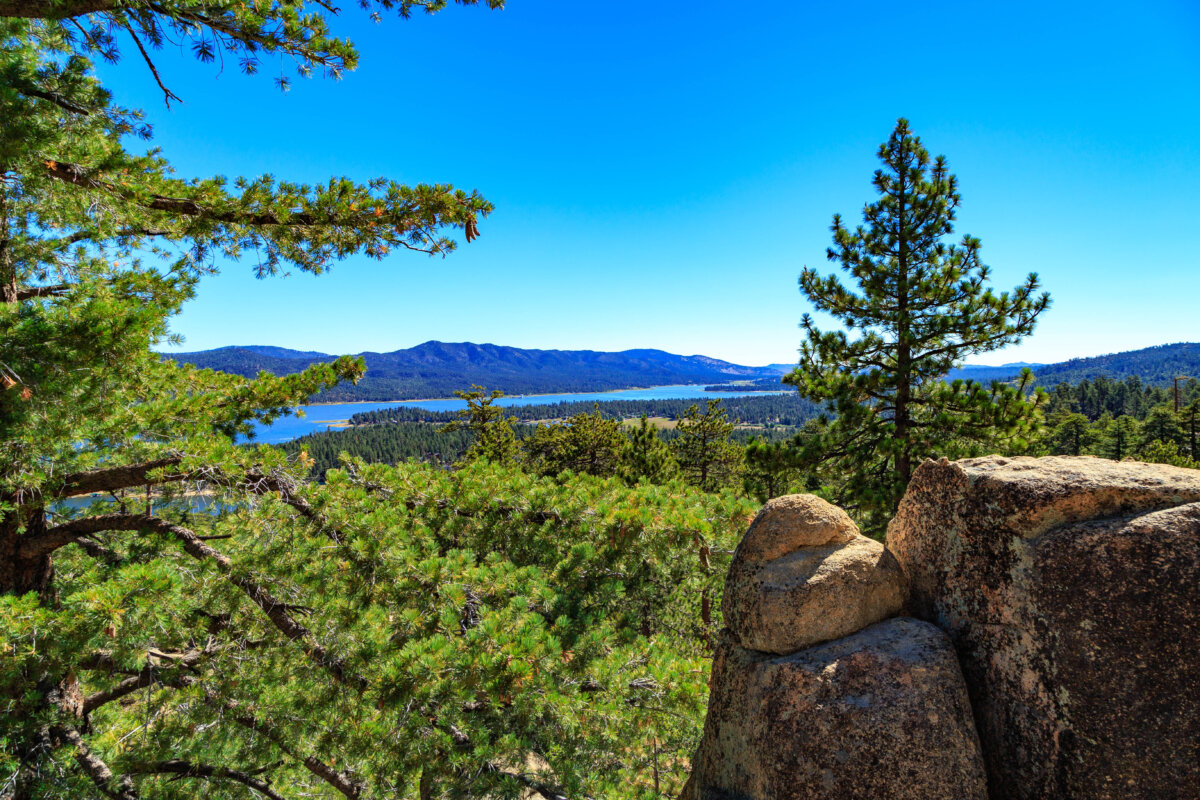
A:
<point x="437" y="369"/>
<point x="986" y="374"/>
<point x="1154" y="365"/>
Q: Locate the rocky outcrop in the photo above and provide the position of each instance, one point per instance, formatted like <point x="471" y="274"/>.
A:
<point x="803" y="574"/>
<point x="882" y="713"/>
<point x="816" y="693"/>
<point x="1071" y="590"/>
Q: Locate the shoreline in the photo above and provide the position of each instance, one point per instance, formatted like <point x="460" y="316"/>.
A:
<point x="514" y="396"/>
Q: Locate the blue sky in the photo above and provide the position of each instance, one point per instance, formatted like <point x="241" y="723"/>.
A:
<point x="663" y="171"/>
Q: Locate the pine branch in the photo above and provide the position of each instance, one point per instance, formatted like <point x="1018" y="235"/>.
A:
<point x="147" y="676"/>
<point x="344" y="782"/>
<point x="117" y="788"/>
<point x="189" y="769"/>
<point x="112" y="479"/>
<point x="279" y="613"/>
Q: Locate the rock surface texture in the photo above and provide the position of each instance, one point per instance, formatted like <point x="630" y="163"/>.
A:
<point x="818" y="691"/>
<point x="803" y="574"/>
<point x="882" y="713"/>
<point x="1070" y="587"/>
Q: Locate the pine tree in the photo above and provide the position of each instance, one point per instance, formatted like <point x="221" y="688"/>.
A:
<point x="1161" y="425"/>
<point x="587" y="444"/>
<point x="1071" y="436"/>
<point x="771" y="468"/>
<point x="1121" y="439"/>
<point x="706" y="456"/>
<point x="645" y="456"/>
<point x="1191" y="423"/>
<point x="493" y="437"/>
<point x="395" y="632"/>
<point x="922" y="306"/>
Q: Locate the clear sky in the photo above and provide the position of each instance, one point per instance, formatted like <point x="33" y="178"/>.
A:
<point x="662" y="171"/>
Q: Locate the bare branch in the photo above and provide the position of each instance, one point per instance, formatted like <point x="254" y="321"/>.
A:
<point x="33" y="292"/>
<point x="168" y="94"/>
<point x="39" y="9"/>
<point x="149" y="674"/>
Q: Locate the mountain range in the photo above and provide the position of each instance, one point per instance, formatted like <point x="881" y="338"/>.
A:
<point x="437" y="369"/>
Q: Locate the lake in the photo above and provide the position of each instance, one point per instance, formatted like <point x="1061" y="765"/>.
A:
<point x="324" y="417"/>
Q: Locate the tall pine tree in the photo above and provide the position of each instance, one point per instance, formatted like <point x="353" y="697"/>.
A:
<point x="919" y="307"/>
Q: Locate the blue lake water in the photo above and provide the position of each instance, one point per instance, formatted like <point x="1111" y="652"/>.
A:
<point x="325" y="417"/>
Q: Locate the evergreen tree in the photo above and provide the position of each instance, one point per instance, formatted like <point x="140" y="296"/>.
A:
<point x="771" y="468"/>
<point x="398" y="632"/>
<point x="1161" y="425"/>
<point x="586" y="444"/>
<point x="1122" y="438"/>
<point x="645" y="457"/>
<point x="922" y="306"/>
<point x="1071" y="436"/>
<point x="1191" y="423"/>
<point x="491" y="428"/>
<point x="706" y="457"/>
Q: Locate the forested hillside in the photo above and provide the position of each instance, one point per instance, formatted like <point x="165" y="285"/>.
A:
<point x="437" y="369"/>
<point x="1154" y="365"/>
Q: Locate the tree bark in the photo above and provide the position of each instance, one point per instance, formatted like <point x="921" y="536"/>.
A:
<point x="21" y="573"/>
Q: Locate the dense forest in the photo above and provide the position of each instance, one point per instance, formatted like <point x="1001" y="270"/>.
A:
<point x="1125" y="419"/>
<point x="776" y="409"/>
<point x="1154" y="365"/>
<point x="773" y="384"/>
<point x="392" y="436"/>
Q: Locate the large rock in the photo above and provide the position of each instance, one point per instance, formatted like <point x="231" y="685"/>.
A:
<point x="882" y="714"/>
<point x="803" y="574"/>
<point x="1071" y="590"/>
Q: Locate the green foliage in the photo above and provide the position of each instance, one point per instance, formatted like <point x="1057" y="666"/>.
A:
<point x="645" y="457"/>
<point x="921" y="307"/>
<point x="585" y="444"/>
<point x="1131" y="396"/>
<point x="702" y="447"/>
<point x="458" y="627"/>
<point x="1120" y="438"/>
<point x="492" y="436"/>
<point x="1160" y="452"/>
<point x="772" y="469"/>
<point x="1161" y="424"/>
<point x="1071" y="437"/>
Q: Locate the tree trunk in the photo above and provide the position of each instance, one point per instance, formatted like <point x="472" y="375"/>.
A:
<point x="18" y="574"/>
<point x="904" y="347"/>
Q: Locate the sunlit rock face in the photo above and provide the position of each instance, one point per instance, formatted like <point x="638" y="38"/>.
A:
<point x="882" y="713"/>
<point x="803" y="574"/>
<point x="1070" y="587"/>
<point x="818" y="689"/>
